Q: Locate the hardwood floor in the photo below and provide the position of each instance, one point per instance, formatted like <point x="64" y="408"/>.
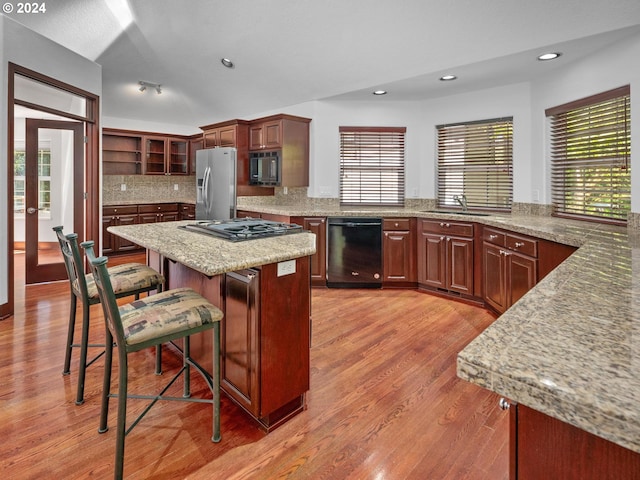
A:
<point x="385" y="402"/>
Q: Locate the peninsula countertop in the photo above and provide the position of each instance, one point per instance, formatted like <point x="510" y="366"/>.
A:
<point x="570" y="348"/>
<point x="213" y="256"/>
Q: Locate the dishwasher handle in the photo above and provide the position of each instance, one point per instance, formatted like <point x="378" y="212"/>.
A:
<point x="355" y="224"/>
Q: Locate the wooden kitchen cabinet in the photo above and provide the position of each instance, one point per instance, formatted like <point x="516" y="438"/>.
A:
<point x="158" y="212"/>
<point x="318" y="226"/>
<point x="265" y="135"/>
<point x="121" y="153"/>
<point x="265" y="335"/>
<point x="542" y="448"/>
<point x="399" y="252"/>
<point x="113" y="216"/>
<point x="445" y="256"/>
<point x="186" y="211"/>
<point x="234" y="133"/>
<point x="166" y="156"/>
<point x="290" y="136"/>
<point x="127" y="152"/>
<point x="510" y="267"/>
<point x="196" y="142"/>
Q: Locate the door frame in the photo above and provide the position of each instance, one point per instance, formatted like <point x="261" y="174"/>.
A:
<point x="91" y="179"/>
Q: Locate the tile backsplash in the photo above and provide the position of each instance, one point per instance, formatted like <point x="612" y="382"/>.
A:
<point x="148" y="188"/>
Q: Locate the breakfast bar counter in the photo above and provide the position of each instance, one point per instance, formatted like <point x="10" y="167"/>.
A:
<point x="213" y="256"/>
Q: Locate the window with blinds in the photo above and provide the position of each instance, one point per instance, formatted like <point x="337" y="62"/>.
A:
<point x="475" y="159"/>
<point x="372" y="166"/>
<point x="590" y="157"/>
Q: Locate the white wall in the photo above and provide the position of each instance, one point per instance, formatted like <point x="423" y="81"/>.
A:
<point x="28" y="49"/>
<point x="606" y="69"/>
<point x="611" y="67"/>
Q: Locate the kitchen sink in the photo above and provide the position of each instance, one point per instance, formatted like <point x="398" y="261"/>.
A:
<point x="445" y="212"/>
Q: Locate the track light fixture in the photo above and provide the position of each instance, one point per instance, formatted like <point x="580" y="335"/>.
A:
<point x="144" y="85"/>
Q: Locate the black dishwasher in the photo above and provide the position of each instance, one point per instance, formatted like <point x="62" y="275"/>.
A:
<point x="354" y="252"/>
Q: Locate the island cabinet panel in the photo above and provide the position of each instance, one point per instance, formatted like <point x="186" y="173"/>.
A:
<point x="445" y="256"/>
<point x="544" y="448"/>
<point x="399" y="252"/>
<point x="317" y="226"/>
<point x="240" y="339"/>
<point x="266" y="334"/>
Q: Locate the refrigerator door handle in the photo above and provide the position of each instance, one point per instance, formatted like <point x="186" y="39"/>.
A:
<point x="205" y="189"/>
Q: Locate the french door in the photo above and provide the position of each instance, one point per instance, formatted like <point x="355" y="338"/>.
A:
<point x="54" y="193"/>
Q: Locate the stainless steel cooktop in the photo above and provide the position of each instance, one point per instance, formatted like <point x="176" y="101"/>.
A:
<point x="240" y="229"/>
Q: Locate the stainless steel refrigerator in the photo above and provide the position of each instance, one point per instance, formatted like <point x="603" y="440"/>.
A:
<point x="216" y="183"/>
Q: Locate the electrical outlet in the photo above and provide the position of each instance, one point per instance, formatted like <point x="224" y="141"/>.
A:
<point x="286" y="268"/>
<point x="175" y="186"/>
<point x="123" y="187"/>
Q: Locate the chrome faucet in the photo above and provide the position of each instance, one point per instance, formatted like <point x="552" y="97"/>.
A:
<point x="462" y="201"/>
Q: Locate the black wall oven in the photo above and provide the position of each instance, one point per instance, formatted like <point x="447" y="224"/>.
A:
<point x="354" y="252"/>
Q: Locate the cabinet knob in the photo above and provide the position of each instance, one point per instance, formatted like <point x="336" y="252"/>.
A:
<point x="442" y="239"/>
<point x="519" y="244"/>
<point x="397" y="224"/>
<point x="504" y="404"/>
<point x="493" y="237"/>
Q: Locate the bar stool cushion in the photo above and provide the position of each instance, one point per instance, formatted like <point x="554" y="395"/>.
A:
<point x="166" y="313"/>
<point x="125" y="278"/>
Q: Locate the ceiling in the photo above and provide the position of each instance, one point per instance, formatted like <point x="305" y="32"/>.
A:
<point x="288" y="52"/>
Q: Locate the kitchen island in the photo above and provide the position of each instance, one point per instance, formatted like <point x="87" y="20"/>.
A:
<point x="263" y="288"/>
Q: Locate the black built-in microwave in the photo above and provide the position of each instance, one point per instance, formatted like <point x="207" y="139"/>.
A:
<point x="265" y="168"/>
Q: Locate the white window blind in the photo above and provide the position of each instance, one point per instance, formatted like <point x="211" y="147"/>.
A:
<point x="475" y="159"/>
<point x="590" y="157"/>
<point x="372" y="166"/>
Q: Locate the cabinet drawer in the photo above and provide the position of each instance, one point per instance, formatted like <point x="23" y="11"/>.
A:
<point x="120" y="210"/>
<point x="158" y="208"/>
<point x="187" y="207"/>
<point x="524" y="245"/>
<point x="446" y="227"/>
<point x="497" y="237"/>
<point x="397" y="224"/>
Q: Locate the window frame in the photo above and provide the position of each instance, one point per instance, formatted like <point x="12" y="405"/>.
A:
<point x="373" y="183"/>
<point x="489" y="159"/>
<point x="594" y="115"/>
<point x="45" y="211"/>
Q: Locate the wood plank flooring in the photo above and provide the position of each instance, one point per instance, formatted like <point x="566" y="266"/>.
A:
<point x="385" y="402"/>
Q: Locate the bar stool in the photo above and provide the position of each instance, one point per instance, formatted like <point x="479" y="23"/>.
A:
<point x="153" y="320"/>
<point x="128" y="279"/>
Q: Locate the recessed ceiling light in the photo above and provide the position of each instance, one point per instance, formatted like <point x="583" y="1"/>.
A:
<point x="380" y="92"/>
<point x="448" y="78"/>
<point x="549" y="56"/>
<point x="226" y="62"/>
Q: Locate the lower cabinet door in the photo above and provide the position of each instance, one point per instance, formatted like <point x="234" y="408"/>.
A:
<point x="432" y="255"/>
<point x="522" y="276"/>
<point x="494" y="273"/>
<point x="460" y="256"/>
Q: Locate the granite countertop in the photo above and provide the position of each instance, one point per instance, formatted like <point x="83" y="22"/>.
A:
<point x="569" y="348"/>
<point x="211" y="255"/>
